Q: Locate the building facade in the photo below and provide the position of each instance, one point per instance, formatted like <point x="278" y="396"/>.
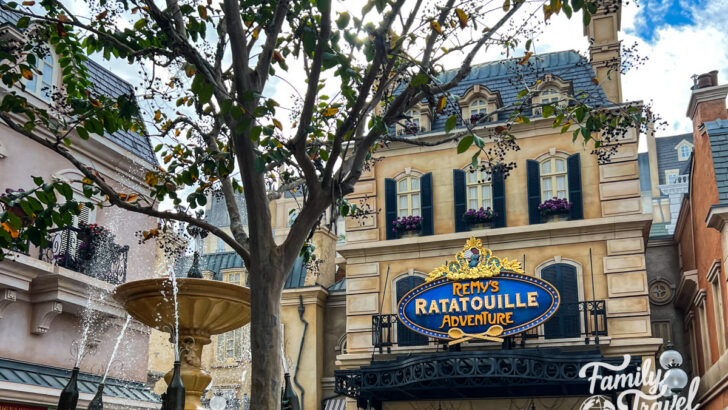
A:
<point x="594" y="255"/>
<point x="701" y="237"/>
<point x="312" y="316"/>
<point x="48" y="295"/>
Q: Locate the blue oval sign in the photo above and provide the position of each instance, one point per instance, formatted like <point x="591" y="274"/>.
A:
<point x="485" y="308"/>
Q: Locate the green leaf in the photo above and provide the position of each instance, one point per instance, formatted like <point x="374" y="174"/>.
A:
<point x="474" y="160"/>
<point x="419" y="79"/>
<point x="465" y="143"/>
<point x="140" y="24"/>
<point x="580" y="112"/>
<point x="547" y="111"/>
<point x="586" y="18"/>
<point x="38" y="180"/>
<point x="450" y="123"/>
<point x="343" y="20"/>
<point x="522" y="93"/>
<point x="23" y="22"/>
<point x="82" y="133"/>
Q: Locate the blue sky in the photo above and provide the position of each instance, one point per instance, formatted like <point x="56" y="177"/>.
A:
<point x="654" y="14"/>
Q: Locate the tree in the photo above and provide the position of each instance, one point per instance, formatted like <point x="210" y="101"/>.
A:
<point x="220" y="131"/>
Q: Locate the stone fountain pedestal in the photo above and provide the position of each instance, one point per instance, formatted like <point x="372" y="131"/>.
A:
<point x="205" y="308"/>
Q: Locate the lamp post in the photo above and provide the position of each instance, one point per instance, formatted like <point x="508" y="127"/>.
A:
<point x="199" y="235"/>
<point x="675" y="378"/>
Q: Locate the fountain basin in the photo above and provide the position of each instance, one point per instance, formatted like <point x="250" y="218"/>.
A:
<point x="205" y="308"/>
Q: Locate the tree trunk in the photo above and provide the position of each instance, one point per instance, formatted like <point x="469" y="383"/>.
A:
<point x="266" y="288"/>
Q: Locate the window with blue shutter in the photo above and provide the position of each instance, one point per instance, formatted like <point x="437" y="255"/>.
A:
<point x="390" y="207"/>
<point x="534" y="191"/>
<point x="405" y="336"/>
<point x="428" y="222"/>
<point x="460" y="199"/>
<point x="566" y="322"/>
<point x="573" y="166"/>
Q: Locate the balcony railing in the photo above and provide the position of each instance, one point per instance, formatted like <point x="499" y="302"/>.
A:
<point x="587" y="320"/>
<point x="101" y="259"/>
<point x="678" y="179"/>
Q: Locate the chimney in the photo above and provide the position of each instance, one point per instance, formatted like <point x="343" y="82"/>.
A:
<point x="707" y="101"/>
<point x="604" y="48"/>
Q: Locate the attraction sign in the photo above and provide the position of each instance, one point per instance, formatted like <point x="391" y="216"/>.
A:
<point x="478" y="296"/>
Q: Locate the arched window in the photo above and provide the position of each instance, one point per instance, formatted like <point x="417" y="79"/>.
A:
<point x="408" y="196"/>
<point x="405" y="336"/>
<point x="479" y="189"/>
<point x="479" y="106"/>
<point x="414" y="117"/>
<point x="554" y="179"/>
<point x="566" y="322"/>
<point x="550" y="95"/>
<point x="41" y="85"/>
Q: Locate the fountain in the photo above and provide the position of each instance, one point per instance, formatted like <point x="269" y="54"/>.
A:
<point x="204" y="308"/>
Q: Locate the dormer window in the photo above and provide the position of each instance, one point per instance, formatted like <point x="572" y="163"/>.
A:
<point x="550" y="96"/>
<point x="478" y="107"/>
<point x="413" y="120"/>
<point x="42" y="83"/>
<point x="684" y="149"/>
<point x="477" y="102"/>
<point x="551" y="90"/>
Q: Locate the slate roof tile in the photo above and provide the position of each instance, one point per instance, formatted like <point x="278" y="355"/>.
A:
<point x="53" y="377"/>
<point x="107" y="83"/>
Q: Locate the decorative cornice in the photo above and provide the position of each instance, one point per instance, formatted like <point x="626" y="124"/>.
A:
<point x="525" y="236"/>
<point x="311" y="294"/>
<point x="717" y="217"/>
<point x="699" y="298"/>
<point x="686" y="289"/>
<point x="713" y="271"/>
<point x="43" y="315"/>
<point x="7" y="296"/>
<point x="701" y="95"/>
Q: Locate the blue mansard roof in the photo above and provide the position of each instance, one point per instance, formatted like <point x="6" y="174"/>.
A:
<point x="508" y="77"/>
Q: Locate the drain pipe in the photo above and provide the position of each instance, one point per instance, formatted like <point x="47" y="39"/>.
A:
<point x="301" y="309"/>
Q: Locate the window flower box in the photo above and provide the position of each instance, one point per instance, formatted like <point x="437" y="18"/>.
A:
<point x="411" y="128"/>
<point x="407" y="226"/>
<point x="479" y="219"/>
<point x="474" y="118"/>
<point x="555" y="209"/>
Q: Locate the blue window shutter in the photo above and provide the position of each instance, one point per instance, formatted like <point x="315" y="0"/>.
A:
<point x="390" y="207"/>
<point x="426" y="191"/>
<point x="566" y="322"/>
<point x="534" y="191"/>
<point x="573" y="167"/>
<point x="460" y="199"/>
<point x="498" y="183"/>
<point x="405" y="336"/>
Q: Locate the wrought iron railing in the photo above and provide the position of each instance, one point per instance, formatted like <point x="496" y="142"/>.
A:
<point x="586" y="319"/>
<point x="70" y="248"/>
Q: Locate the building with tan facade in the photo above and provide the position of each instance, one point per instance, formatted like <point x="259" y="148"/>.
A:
<point x="45" y="293"/>
<point x="594" y="255"/>
<point x="312" y="309"/>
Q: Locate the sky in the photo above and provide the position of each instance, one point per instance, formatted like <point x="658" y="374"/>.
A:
<point x="680" y="38"/>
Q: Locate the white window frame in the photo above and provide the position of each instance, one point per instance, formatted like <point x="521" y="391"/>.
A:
<point x="553" y="175"/>
<point x="409" y="195"/>
<point x="478" y="180"/>
<point x="39" y="81"/>
<point x="682" y="156"/>
<point x="479" y="106"/>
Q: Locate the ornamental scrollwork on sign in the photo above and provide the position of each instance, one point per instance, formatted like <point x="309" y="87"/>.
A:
<point x="474" y="262"/>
